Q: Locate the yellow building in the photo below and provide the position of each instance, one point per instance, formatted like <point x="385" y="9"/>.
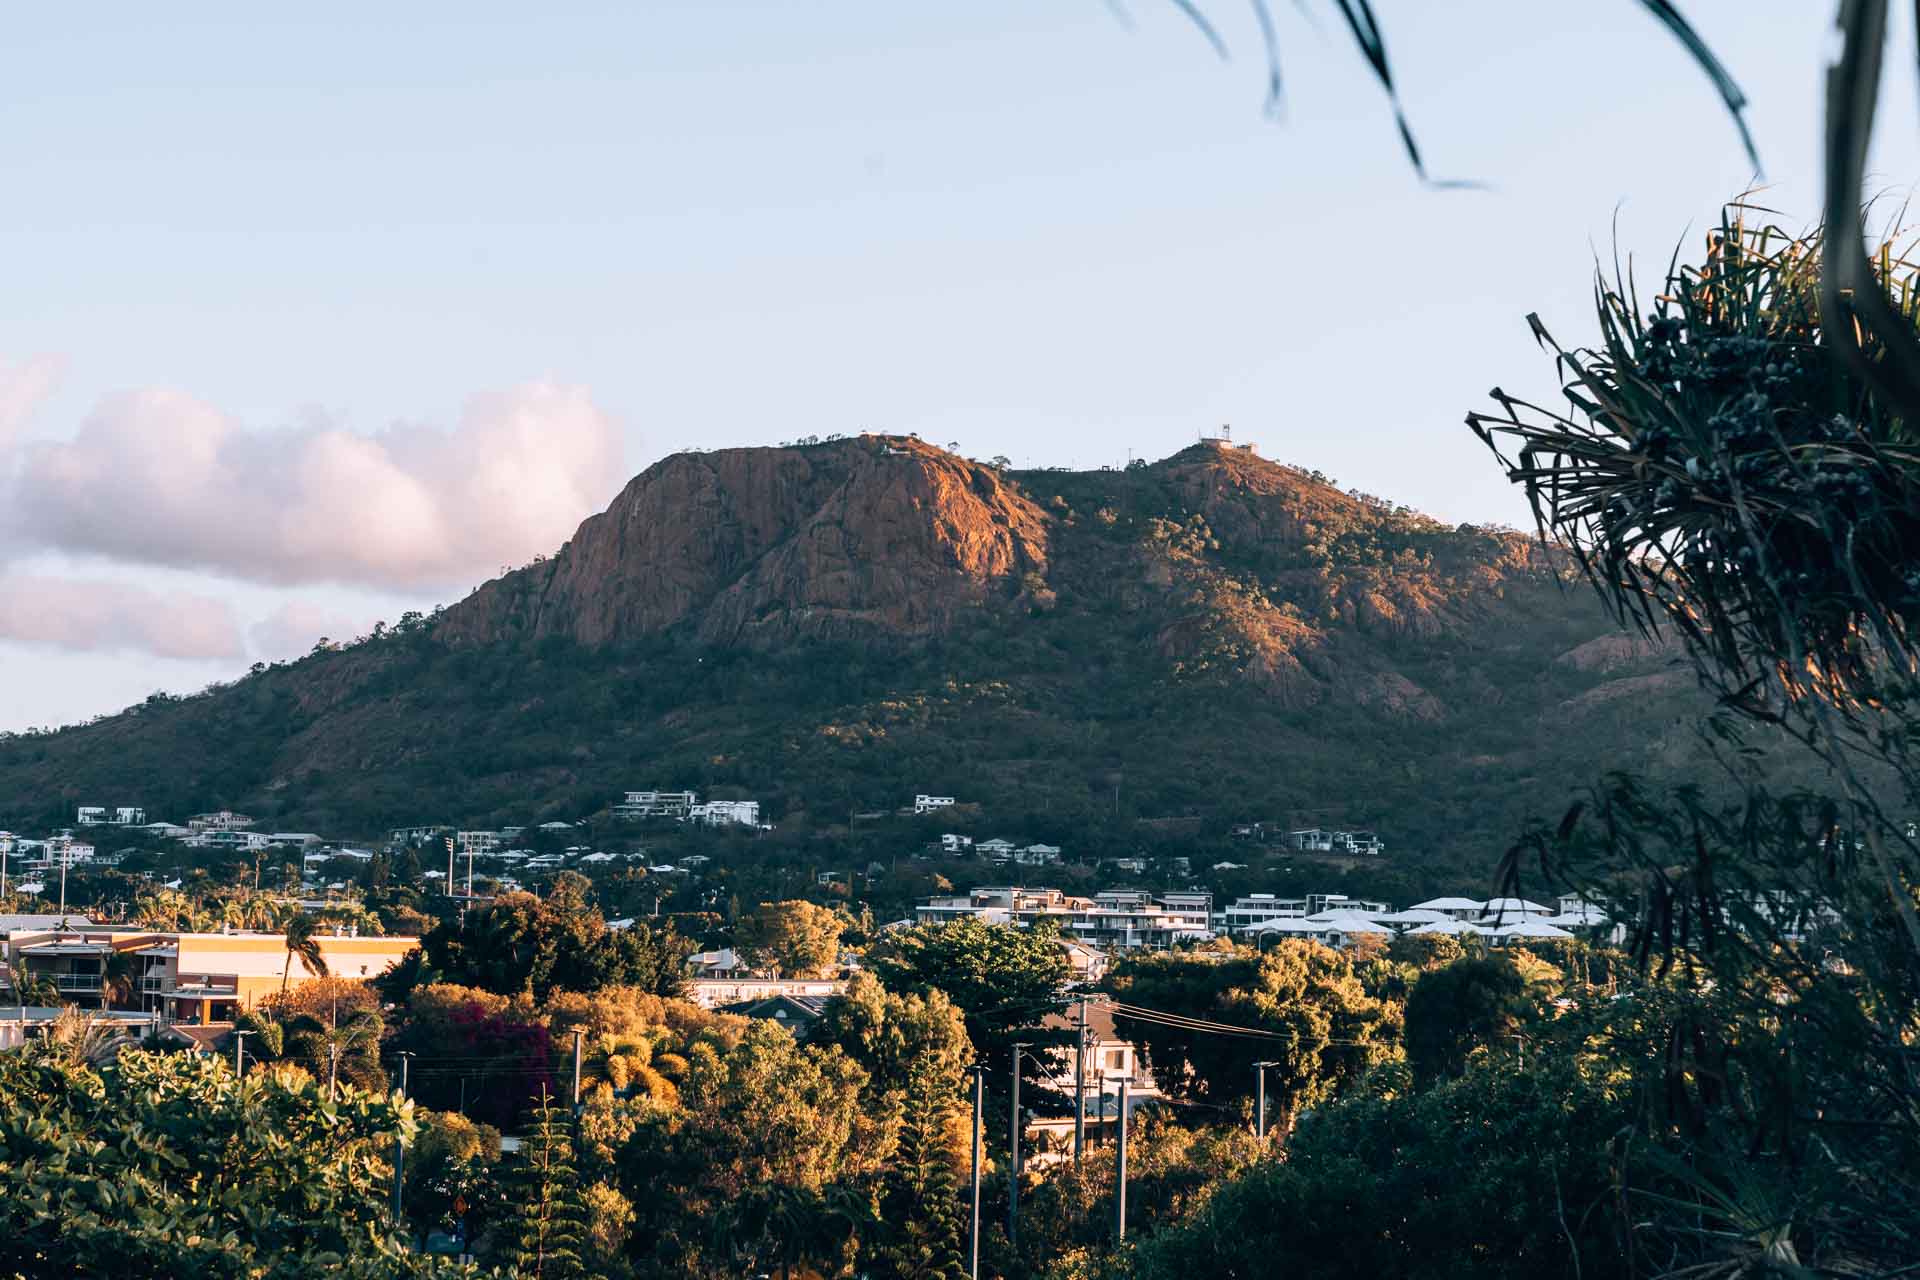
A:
<point x="195" y="977"/>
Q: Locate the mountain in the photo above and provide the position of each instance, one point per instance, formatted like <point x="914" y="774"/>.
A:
<point x="1109" y="659"/>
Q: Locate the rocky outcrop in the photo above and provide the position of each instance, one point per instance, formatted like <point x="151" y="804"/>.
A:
<point x="875" y="536"/>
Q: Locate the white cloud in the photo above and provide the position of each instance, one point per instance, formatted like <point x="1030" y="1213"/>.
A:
<point x="159" y="477"/>
<point x="23" y="385"/>
<point x="291" y="630"/>
<point x="77" y="614"/>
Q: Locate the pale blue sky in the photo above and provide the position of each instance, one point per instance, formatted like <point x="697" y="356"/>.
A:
<point x="1023" y="227"/>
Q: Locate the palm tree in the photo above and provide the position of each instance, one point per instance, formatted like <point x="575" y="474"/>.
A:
<point x="303" y="942"/>
<point x="117" y="977"/>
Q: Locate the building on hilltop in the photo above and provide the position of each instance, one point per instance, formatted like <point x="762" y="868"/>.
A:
<point x="927" y="804"/>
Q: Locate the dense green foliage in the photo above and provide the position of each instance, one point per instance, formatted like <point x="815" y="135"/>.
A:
<point x="167" y="1165"/>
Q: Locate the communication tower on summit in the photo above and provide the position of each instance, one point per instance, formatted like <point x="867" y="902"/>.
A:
<point x="1222" y="438"/>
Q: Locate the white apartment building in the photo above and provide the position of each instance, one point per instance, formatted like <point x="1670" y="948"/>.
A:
<point x="927" y="804"/>
<point x="1115" y="919"/>
<point x="225" y="838"/>
<point x="722" y="813"/>
<point x="656" y="804"/>
<point x="1257" y="909"/>
<point x="222" y="820"/>
<point x="90" y="815"/>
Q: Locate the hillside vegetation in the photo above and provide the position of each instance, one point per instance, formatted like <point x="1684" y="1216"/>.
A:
<point x="832" y="628"/>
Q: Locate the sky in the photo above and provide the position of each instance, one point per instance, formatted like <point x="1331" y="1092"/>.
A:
<point x="312" y="320"/>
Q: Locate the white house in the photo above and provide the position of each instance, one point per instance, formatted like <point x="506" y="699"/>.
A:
<point x="927" y="804"/>
<point x="1456" y="908"/>
<point x="723" y="813"/>
<point x="1038" y="855"/>
<point x="656" y="804"/>
<point x="222" y="820"/>
<point x="951" y="843"/>
<point x="90" y="815"/>
<point x="996" y="848"/>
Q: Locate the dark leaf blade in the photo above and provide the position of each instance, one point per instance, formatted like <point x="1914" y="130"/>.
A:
<point x="1669" y="17"/>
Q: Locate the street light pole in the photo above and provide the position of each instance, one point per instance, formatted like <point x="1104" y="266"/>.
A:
<point x="1120" y="1171"/>
<point x="979" y="1137"/>
<point x="579" y="1037"/>
<point x="1080" y="1087"/>
<point x="239" y="1039"/>
<point x="399" y="1147"/>
<point x="1260" y="1094"/>
<point x="1013" y="1165"/>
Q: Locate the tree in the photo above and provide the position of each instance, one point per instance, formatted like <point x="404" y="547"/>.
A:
<point x="1451" y="1012"/>
<point x="765" y="1127"/>
<point x="1307" y="1010"/>
<point x="301" y="940"/>
<point x="919" y="1200"/>
<point x="896" y="1037"/>
<point x="794" y="937"/>
<point x="1004" y="980"/>
<point x="547" y="1230"/>
<point x="164" y="1165"/>
<point x="1506" y="1173"/>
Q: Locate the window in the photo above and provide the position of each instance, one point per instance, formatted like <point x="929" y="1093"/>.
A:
<point x="1116" y="1059"/>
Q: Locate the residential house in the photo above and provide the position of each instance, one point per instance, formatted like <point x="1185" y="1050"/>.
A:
<point x="796" y="1013"/>
<point x="416" y="835"/>
<point x="927" y="804"/>
<point x="222" y="820"/>
<point x="1092" y="1076"/>
<point x="90" y="815"/>
<point x="723" y="813"/>
<point x="1257" y="909"/>
<point x="1453" y="908"/>
<point x="1086" y="963"/>
<point x="209" y="977"/>
<point x="997" y="849"/>
<point x="478" y="842"/>
<point x="716" y="993"/>
<point x="1320" y="903"/>
<point x="656" y="804"/>
<point x="951" y="843"/>
<point x="1038" y="855"/>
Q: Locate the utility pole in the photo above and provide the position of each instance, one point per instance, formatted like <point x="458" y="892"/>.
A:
<point x="66" y="856"/>
<point x="400" y="1148"/>
<point x="579" y="1038"/>
<point x="333" y="1071"/>
<point x="1013" y="1165"/>
<point x="1080" y="1087"/>
<point x="1260" y="1095"/>
<point x="1120" y="1171"/>
<point x="979" y="1137"/>
<point x="239" y="1039"/>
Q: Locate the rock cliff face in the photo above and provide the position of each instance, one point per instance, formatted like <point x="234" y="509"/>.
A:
<point x="869" y="537"/>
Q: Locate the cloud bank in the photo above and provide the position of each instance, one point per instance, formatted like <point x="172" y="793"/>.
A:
<point x="113" y="616"/>
<point x="159" y="477"/>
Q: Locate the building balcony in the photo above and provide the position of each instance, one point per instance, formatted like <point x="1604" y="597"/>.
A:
<point x="78" y="983"/>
